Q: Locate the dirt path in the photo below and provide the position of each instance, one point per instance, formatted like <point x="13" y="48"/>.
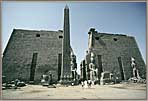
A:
<point x="118" y="91"/>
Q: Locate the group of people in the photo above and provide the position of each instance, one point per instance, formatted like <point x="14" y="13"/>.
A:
<point x="86" y="84"/>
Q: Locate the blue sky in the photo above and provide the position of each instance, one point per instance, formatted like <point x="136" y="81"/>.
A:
<point x="114" y="17"/>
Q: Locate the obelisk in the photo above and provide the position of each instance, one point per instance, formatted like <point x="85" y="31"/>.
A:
<point x="66" y="70"/>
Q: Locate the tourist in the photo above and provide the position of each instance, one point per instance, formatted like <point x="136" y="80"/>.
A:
<point x="85" y="84"/>
<point x="89" y="83"/>
<point x="82" y="83"/>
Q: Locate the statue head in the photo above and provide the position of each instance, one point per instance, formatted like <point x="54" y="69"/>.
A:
<point x="71" y="53"/>
<point x="92" y="54"/>
<point x="86" y="52"/>
<point x="73" y="58"/>
<point x="92" y="58"/>
<point x="132" y="59"/>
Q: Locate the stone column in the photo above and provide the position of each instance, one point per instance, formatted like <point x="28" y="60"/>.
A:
<point x="66" y="70"/>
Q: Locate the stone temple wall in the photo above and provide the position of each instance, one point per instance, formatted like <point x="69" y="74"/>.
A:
<point x="115" y="49"/>
<point x="18" y="55"/>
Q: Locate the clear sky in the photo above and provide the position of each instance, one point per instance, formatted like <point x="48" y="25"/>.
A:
<point x="114" y="17"/>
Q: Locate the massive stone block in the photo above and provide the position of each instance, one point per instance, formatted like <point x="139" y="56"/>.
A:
<point x="31" y="53"/>
<point x="113" y="53"/>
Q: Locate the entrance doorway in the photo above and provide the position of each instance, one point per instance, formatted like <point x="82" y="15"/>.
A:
<point x="59" y="65"/>
<point x="100" y="70"/>
<point x="33" y="66"/>
<point x="121" y="68"/>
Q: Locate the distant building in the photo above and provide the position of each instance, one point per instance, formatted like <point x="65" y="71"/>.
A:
<point x="31" y="53"/>
<point x="112" y="53"/>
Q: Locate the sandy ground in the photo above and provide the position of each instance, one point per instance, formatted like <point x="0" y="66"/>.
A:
<point x="117" y="91"/>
